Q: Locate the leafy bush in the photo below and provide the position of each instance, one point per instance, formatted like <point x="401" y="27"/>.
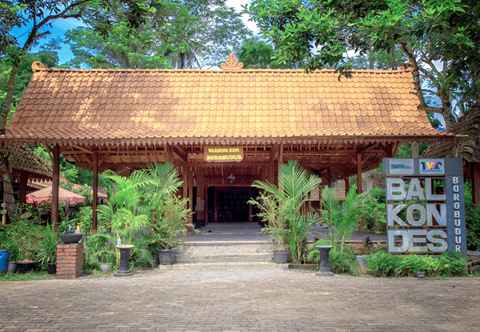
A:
<point x="383" y="264"/>
<point x="372" y="210"/>
<point x="341" y="217"/>
<point x="99" y="248"/>
<point x="47" y="251"/>
<point x="472" y="220"/>
<point x="26" y="238"/>
<point x="343" y="261"/>
<point x="283" y="207"/>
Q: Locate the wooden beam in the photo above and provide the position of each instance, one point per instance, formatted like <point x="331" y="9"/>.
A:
<point x="94" y="191"/>
<point x="55" y="186"/>
<point x="359" y="173"/>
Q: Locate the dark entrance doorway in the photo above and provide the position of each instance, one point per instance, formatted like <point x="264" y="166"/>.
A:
<point x="229" y="204"/>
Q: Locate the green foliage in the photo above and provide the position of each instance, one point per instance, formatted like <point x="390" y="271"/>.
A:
<point x="26" y="239"/>
<point x="343" y="261"/>
<point x="372" y="215"/>
<point x="472" y="219"/>
<point x="256" y="53"/>
<point x="341" y="217"/>
<point x="383" y="264"/>
<point x="437" y="37"/>
<point x="284" y="210"/>
<point x="156" y="34"/>
<point x="47" y="251"/>
<point x="99" y="248"/>
<point x="340" y="261"/>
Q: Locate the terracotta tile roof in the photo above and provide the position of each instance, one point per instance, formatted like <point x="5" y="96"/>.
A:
<point x="215" y="106"/>
<point x="22" y="159"/>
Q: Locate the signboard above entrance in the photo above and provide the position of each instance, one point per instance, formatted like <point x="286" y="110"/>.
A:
<point x="425" y="205"/>
<point x="223" y="154"/>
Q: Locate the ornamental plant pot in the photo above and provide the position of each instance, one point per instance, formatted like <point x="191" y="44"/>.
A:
<point x="25" y="266"/>
<point x="105" y="267"/>
<point x="167" y="257"/>
<point x="280" y="256"/>
<point x="51" y="268"/>
<point x="12" y="267"/>
<point x="69" y="238"/>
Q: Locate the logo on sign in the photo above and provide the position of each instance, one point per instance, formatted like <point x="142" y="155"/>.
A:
<point x="401" y="167"/>
<point x="432" y="167"/>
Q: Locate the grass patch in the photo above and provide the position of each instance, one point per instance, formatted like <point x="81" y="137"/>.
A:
<point x="25" y="276"/>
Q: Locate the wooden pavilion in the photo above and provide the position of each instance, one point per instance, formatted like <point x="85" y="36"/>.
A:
<point x="221" y="128"/>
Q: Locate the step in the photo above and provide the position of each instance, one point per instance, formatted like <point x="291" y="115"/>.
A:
<point x="225" y="251"/>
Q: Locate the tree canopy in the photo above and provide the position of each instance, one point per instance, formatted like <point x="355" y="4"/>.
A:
<point x="157" y="34"/>
<point x="439" y="38"/>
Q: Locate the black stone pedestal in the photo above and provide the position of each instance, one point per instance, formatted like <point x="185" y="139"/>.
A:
<point x="123" y="270"/>
<point x="325" y="269"/>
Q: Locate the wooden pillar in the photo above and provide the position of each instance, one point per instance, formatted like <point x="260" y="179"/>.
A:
<point x="415" y="149"/>
<point x="190" y="196"/>
<point x="476" y="183"/>
<point x="55" y="185"/>
<point x="280" y="163"/>
<point x="22" y="193"/>
<point x="94" y="191"/>
<point x="359" y="173"/>
<point x="347" y="185"/>
<point x="215" y="204"/>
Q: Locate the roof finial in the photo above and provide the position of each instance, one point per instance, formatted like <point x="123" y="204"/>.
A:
<point x="231" y="63"/>
<point x="37" y="66"/>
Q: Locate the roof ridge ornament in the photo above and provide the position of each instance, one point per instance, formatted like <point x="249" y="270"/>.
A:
<point x="232" y="63"/>
<point x="38" y="66"/>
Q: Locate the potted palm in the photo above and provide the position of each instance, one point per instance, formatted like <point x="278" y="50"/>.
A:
<point x="283" y="208"/>
<point x="170" y="229"/>
<point x="168" y="213"/>
<point x="123" y="215"/>
<point x="47" y="252"/>
<point x="100" y="251"/>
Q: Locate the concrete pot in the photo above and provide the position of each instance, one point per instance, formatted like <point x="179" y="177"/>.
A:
<point x="280" y="256"/>
<point x="167" y="257"/>
<point x="105" y="267"/>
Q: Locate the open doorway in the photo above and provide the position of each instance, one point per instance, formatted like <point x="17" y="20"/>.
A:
<point x="229" y="204"/>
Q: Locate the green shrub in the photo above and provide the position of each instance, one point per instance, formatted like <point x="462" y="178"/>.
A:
<point x="340" y="261"/>
<point x="343" y="261"/>
<point x="383" y="264"/>
<point x="372" y="211"/>
<point x="472" y="220"/>
<point x="99" y="248"/>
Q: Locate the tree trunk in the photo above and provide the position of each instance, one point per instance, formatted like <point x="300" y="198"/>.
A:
<point x="8" y="195"/>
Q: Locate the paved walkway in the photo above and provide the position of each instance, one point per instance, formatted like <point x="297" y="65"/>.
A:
<point x="240" y="298"/>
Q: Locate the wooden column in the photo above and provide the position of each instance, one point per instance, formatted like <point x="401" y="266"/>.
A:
<point x="347" y="185"/>
<point x="280" y="163"/>
<point x="476" y="183"/>
<point x="190" y="196"/>
<point x="359" y="173"/>
<point x="94" y="191"/>
<point x="22" y="194"/>
<point x="55" y="185"/>
<point x="415" y="149"/>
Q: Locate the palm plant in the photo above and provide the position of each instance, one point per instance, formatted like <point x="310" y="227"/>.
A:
<point x="341" y="217"/>
<point x="290" y="221"/>
<point x="122" y="212"/>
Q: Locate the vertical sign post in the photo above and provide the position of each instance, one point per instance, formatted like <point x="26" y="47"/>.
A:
<point x="425" y="205"/>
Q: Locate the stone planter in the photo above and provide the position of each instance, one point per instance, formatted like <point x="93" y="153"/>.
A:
<point x="167" y="257"/>
<point x="105" y="267"/>
<point x="125" y="252"/>
<point x="280" y="256"/>
<point x="69" y="238"/>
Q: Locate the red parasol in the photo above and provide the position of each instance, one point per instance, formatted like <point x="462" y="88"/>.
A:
<point x="64" y="196"/>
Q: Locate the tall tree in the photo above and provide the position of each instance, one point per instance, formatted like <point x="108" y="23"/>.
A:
<point x="33" y="17"/>
<point x="440" y="39"/>
<point x="157" y="34"/>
